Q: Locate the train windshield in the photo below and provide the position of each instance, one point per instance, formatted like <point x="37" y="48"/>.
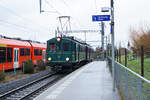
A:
<point x="65" y="46"/>
<point x="52" y="47"/>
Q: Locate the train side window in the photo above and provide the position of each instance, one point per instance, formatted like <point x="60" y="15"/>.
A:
<point x="65" y="46"/>
<point x="27" y="52"/>
<point x="2" y="54"/>
<point x="22" y="52"/>
<point x="40" y="52"/>
<point x="9" y="54"/>
<point x="36" y="52"/>
<point x="52" y="47"/>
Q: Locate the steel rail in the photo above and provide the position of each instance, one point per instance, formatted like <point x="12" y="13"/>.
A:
<point x="24" y="86"/>
<point x="41" y="87"/>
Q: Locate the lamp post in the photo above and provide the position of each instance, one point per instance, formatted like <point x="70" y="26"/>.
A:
<point x="102" y="38"/>
<point x="106" y="46"/>
<point x="112" y="40"/>
<point x="106" y="9"/>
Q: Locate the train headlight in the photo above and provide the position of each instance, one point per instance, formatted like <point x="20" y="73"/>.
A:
<point x="49" y="58"/>
<point x="67" y="59"/>
<point x="58" y="39"/>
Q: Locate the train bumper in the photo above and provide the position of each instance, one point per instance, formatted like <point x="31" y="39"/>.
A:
<point x="61" y="66"/>
<point x="59" y="63"/>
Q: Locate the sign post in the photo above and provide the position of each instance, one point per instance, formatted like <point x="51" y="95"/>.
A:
<point x="102" y="18"/>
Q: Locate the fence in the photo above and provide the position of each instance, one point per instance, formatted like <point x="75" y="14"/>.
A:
<point x="131" y="85"/>
<point x="137" y="60"/>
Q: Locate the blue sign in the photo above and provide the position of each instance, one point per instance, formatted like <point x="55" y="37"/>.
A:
<point x="100" y="18"/>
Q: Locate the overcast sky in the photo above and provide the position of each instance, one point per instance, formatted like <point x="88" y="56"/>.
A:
<point x="22" y="18"/>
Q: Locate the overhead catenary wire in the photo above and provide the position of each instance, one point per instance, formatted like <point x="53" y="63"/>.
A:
<point x="24" y="26"/>
<point x="19" y="29"/>
<point x="53" y="7"/>
<point x="7" y="24"/>
<point x="21" y="17"/>
<point x="95" y="2"/>
<point x="69" y="8"/>
<point x="19" y="26"/>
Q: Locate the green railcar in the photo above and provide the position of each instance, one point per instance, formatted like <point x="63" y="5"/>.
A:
<point x="63" y="53"/>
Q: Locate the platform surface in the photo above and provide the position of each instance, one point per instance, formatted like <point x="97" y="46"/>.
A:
<point x="91" y="82"/>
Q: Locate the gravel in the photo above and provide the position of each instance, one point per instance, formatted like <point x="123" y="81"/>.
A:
<point x="5" y="87"/>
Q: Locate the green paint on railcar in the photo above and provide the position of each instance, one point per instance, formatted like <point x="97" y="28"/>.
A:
<point x="59" y="49"/>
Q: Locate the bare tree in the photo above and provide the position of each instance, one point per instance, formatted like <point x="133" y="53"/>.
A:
<point x="140" y="38"/>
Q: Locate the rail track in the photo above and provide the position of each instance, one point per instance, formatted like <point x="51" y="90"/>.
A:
<point x="32" y="89"/>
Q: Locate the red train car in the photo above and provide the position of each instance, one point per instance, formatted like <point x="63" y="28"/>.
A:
<point x="38" y="52"/>
<point x="13" y="52"/>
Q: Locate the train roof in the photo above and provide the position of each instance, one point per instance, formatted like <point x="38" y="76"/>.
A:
<point x="5" y="42"/>
<point x="71" y="38"/>
<point x="38" y="45"/>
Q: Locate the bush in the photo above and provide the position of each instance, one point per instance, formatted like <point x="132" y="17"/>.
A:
<point x="2" y="76"/>
<point x="41" y="65"/>
<point x="28" y="66"/>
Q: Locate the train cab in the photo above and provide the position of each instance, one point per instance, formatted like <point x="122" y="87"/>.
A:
<point x="65" y="52"/>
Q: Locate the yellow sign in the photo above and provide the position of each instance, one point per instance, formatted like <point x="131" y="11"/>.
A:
<point x="3" y="45"/>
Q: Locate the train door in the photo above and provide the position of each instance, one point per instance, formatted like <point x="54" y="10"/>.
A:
<point x="44" y="55"/>
<point x="16" y="57"/>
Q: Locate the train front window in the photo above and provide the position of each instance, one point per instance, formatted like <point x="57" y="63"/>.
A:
<point x="65" y="46"/>
<point x="52" y="47"/>
<point x="58" y="46"/>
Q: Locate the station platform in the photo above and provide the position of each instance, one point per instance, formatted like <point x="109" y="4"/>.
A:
<point x="90" y="82"/>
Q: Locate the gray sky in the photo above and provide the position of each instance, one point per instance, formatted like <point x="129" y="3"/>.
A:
<point x="21" y="18"/>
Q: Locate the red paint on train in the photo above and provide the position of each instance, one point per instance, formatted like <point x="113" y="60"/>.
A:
<point x="14" y="52"/>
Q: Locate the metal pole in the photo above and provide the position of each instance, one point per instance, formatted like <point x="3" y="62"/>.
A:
<point x="119" y="55"/>
<point x="40" y="6"/>
<point x="85" y="36"/>
<point x="106" y="47"/>
<point x="102" y="25"/>
<point x="55" y="33"/>
<point x="23" y="68"/>
<point x="142" y="61"/>
<point x="125" y="57"/>
<point x="15" y="72"/>
<point x="112" y="40"/>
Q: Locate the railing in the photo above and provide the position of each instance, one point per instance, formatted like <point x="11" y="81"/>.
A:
<point x="131" y="85"/>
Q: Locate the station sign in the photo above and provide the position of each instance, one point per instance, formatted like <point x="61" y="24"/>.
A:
<point x="96" y="18"/>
